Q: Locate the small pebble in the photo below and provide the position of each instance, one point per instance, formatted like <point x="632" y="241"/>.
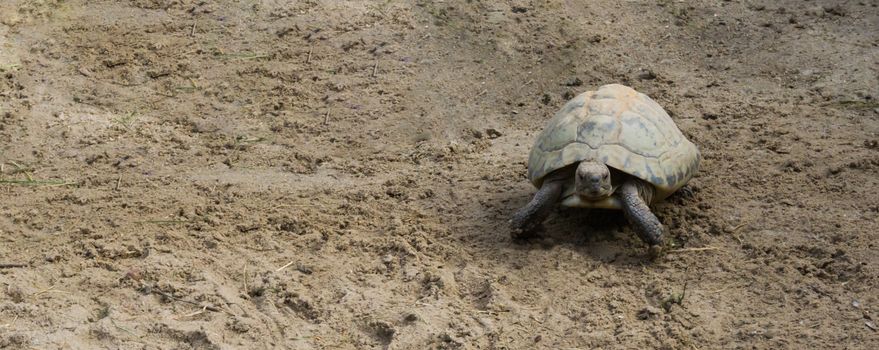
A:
<point x="574" y="82"/>
<point x="646" y="75"/>
<point x="647" y="313"/>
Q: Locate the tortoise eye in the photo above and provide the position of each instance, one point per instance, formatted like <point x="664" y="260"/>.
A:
<point x="606" y="175"/>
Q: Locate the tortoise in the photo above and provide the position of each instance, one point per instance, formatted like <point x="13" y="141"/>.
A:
<point x="614" y="148"/>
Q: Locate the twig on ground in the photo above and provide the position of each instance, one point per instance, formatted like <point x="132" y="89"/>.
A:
<point x="699" y="249"/>
<point x="123" y="328"/>
<point x="199" y="312"/>
<point x="10" y="323"/>
<point x="50" y="289"/>
<point x="162" y="222"/>
<point x="736" y="229"/>
<point x="32" y="182"/>
<point x="246" y="291"/>
<point x="284" y="267"/>
<point x="169" y="296"/>
<point x="12" y="265"/>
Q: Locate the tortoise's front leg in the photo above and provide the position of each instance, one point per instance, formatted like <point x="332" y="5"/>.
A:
<point x="527" y="219"/>
<point x="635" y="194"/>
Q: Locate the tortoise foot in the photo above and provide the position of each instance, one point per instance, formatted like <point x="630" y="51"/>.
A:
<point x="654" y="252"/>
<point x="521" y="233"/>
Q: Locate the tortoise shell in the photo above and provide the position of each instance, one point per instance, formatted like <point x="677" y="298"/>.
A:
<point x="622" y="128"/>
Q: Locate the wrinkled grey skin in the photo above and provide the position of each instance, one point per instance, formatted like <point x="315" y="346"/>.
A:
<point x="592" y="181"/>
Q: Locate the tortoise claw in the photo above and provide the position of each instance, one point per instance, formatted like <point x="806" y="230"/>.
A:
<point x="654" y="252"/>
<point x="522" y="232"/>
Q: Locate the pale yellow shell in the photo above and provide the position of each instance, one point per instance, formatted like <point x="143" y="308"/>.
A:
<point x="621" y="128"/>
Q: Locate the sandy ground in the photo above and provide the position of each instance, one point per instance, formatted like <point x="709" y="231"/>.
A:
<point x="338" y="174"/>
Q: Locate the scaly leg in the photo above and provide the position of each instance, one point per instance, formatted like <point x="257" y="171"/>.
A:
<point x="635" y="195"/>
<point x="527" y="219"/>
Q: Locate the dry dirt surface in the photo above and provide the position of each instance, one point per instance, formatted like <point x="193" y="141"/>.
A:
<point x="339" y="174"/>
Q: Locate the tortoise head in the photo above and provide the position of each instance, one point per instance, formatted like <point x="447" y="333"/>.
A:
<point x="592" y="180"/>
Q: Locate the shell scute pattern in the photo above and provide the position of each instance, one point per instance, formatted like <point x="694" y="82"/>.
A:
<point x="622" y="128"/>
<point x="598" y="130"/>
<point x="561" y="133"/>
<point x="641" y="137"/>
